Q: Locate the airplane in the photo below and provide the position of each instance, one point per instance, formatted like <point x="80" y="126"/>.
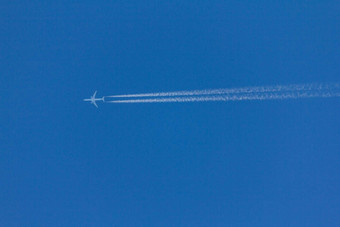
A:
<point x="93" y="99"/>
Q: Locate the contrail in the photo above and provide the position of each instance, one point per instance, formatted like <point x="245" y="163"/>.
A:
<point x="260" y="89"/>
<point x="296" y="94"/>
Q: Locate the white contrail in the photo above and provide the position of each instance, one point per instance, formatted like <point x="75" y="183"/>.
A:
<point x="238" y="97"/>
<point x="260" y="89"/>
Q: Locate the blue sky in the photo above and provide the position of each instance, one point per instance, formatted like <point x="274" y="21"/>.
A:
<point x="253" y="163"/>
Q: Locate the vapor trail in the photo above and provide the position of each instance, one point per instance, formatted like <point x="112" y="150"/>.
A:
<point x="238" y="97"/>
<point x="260" y="89"/>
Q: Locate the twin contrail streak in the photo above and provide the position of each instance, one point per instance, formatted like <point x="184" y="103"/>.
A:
<point x="260" y="89"/>
<point x="234" y="94"/>
<point x="236" y="97"/>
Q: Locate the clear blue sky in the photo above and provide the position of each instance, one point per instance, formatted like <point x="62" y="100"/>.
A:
<point x="254" y="163"/>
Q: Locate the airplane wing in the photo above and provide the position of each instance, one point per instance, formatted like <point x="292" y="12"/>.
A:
<point x="94" y="95"/>
<point x="95" y="104"/>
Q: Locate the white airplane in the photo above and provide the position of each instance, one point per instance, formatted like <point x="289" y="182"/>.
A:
<point x="93" y="99"/>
